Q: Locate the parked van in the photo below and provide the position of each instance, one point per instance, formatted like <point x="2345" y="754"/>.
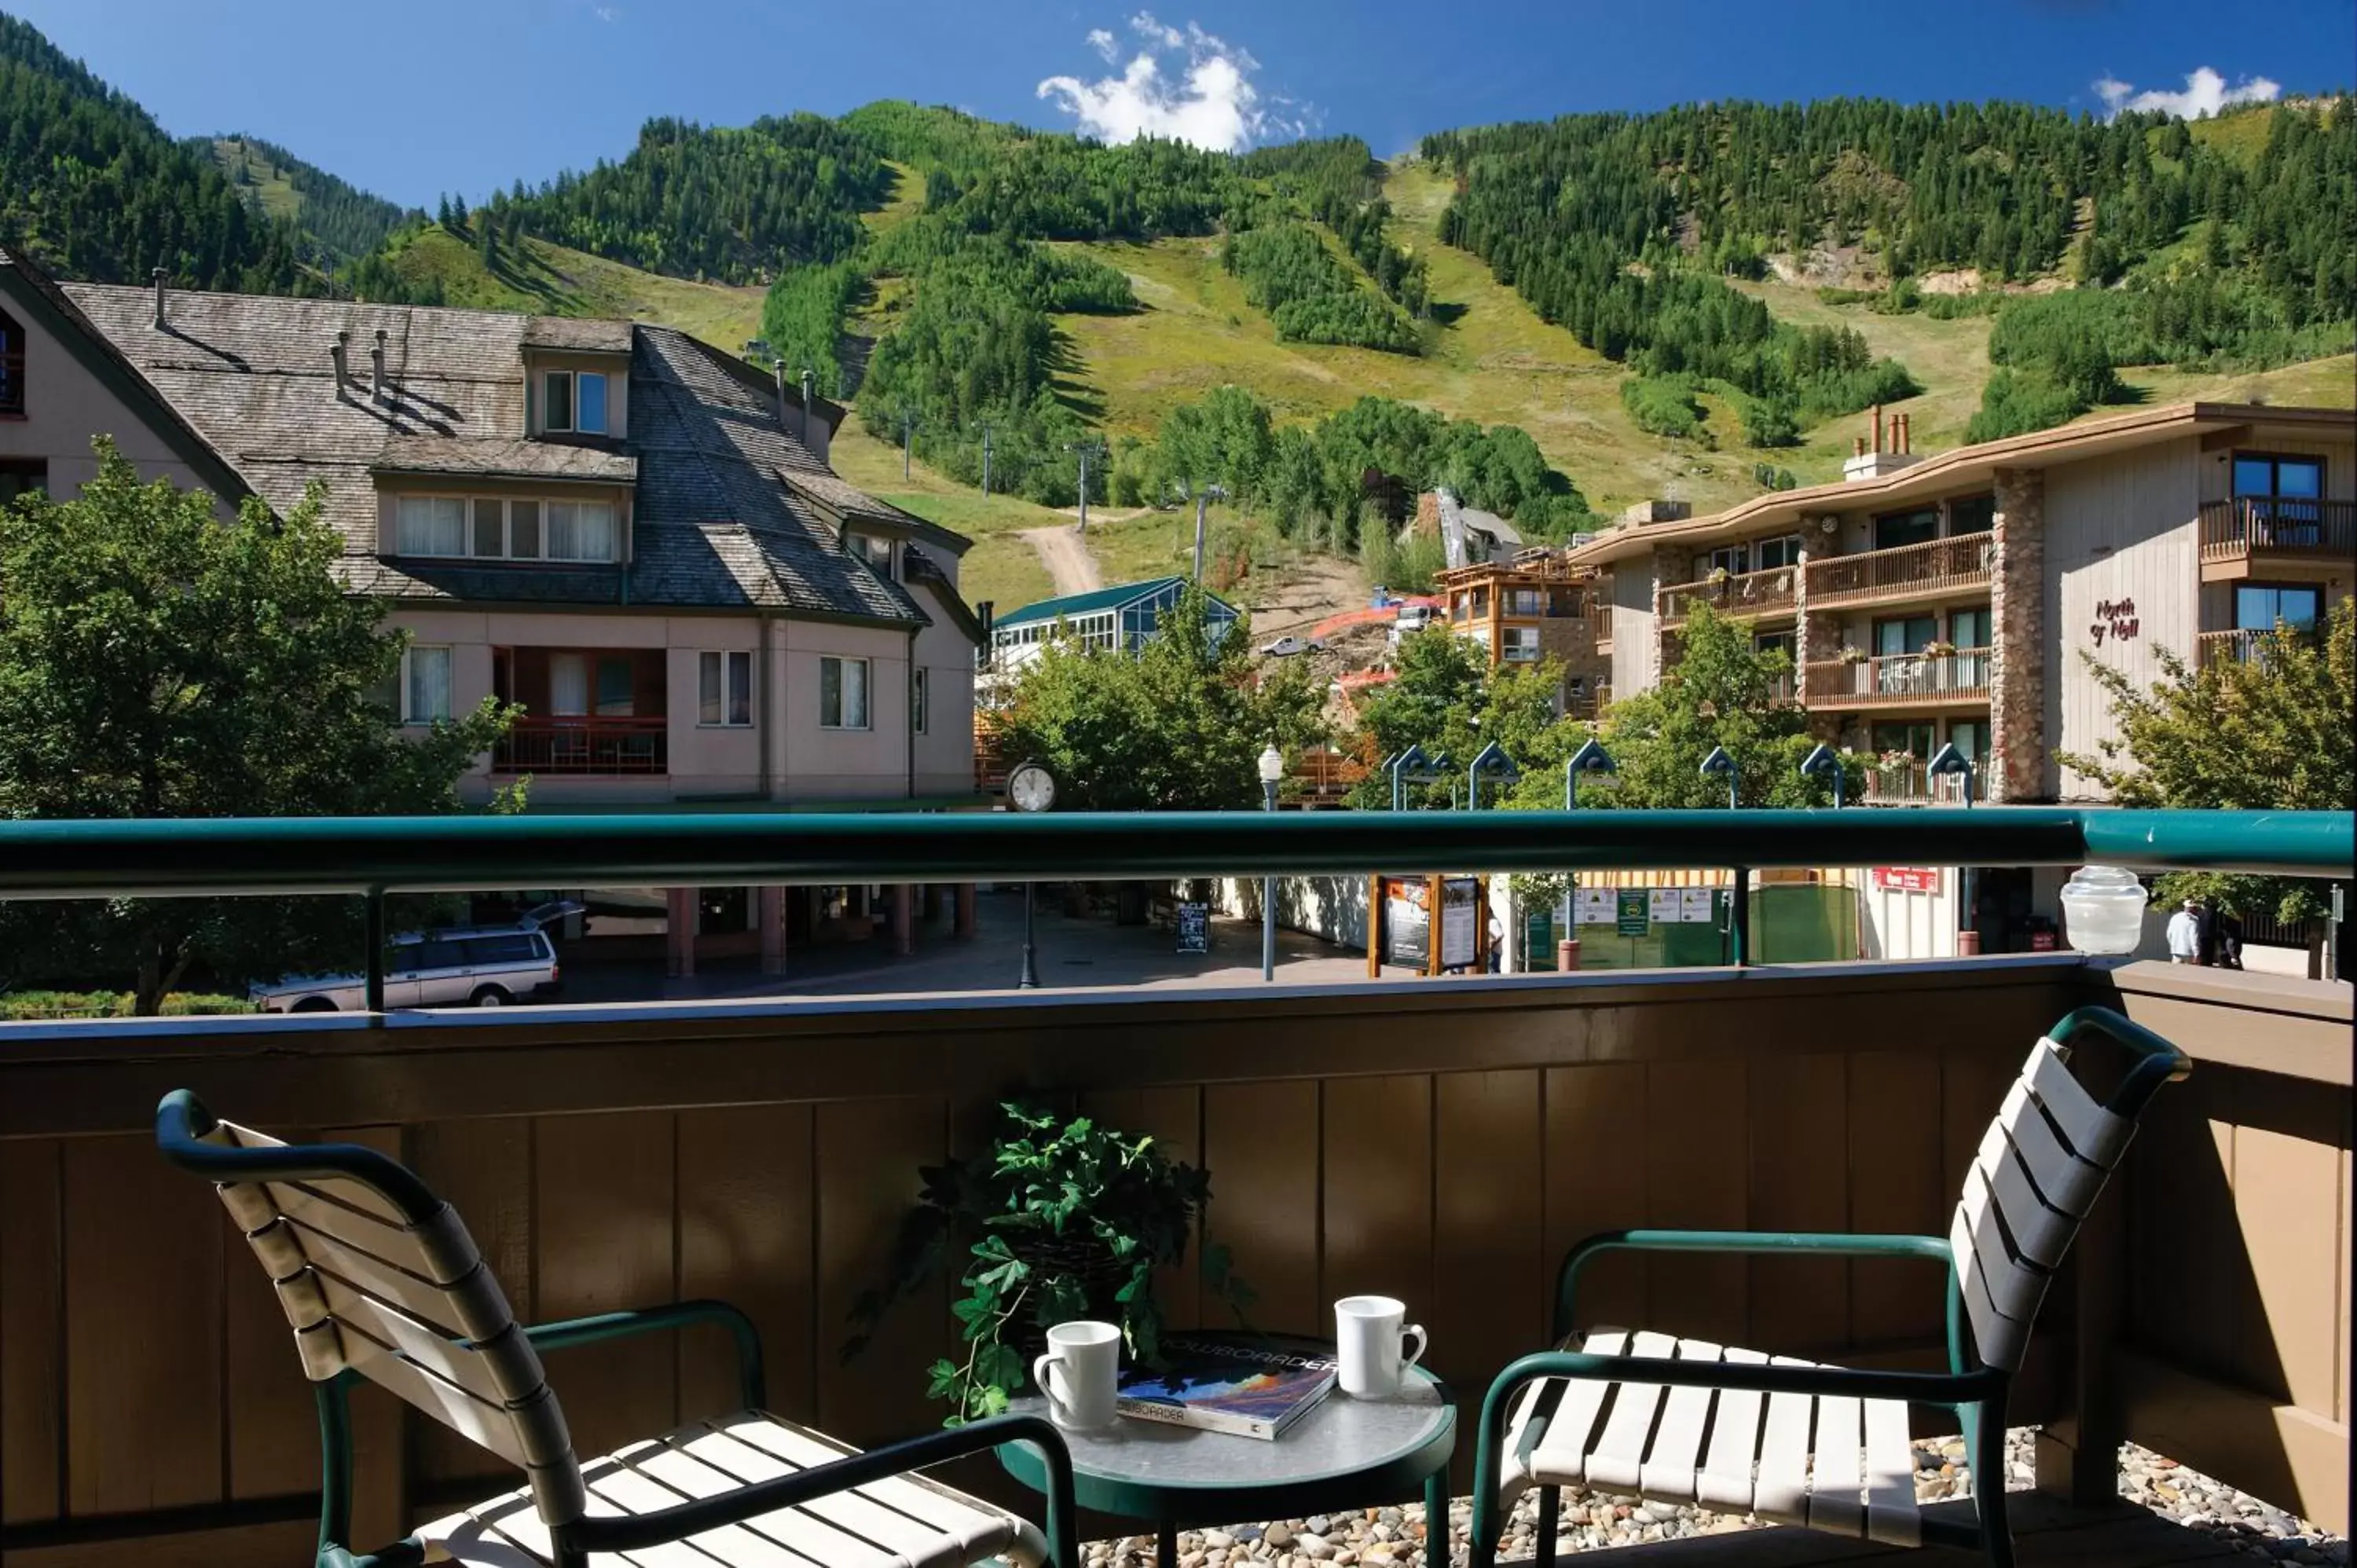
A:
<point x="480" y="966"/>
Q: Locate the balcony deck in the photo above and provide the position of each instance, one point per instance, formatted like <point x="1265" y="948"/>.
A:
<point x="1751" y="596"/>
<point x="2251" y="537"/>
<point x="2046" y="1531"/>
<point x="1915" y="682"/>
<point x="1441" y="1141"/>
<point x="1934" y="570"/>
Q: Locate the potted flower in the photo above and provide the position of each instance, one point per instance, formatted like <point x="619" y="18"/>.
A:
<point x="1058" y="1218"/>
<point x="1851" y="655"/>
<point x="1938" y="650"/>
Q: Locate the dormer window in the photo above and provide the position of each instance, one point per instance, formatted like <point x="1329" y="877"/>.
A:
<point x="877" y="552"/>
<point x="12" y="366"/>
<point x="574" y="402"/>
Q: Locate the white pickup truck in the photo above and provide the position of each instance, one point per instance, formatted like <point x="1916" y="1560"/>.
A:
<point x="1411" y="620"/>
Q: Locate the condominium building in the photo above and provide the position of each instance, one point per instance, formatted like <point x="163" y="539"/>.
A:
<point x="1959" y="598"/>
<point x="630" y="535"/>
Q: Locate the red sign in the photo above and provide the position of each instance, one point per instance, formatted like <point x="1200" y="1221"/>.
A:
<point x="2041" y="941"/>
<point x="1907" y="879"/>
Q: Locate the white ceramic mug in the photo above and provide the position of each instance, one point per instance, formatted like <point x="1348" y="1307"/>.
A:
<point x="1080" y="1373"/>
<point x="1368" y="1341"/>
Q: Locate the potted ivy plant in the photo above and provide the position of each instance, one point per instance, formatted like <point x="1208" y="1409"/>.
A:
<point x="1060" y="1218"/>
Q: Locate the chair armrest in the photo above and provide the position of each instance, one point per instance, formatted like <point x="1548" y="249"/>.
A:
<point x="750" y="1375"/>
<point x="1948" y="1389"/>
<point x="609" y="1533"/>
<point x="1931" y="1249"/>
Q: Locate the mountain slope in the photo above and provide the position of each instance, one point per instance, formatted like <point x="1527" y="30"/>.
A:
<point x="344" y="222"/>
<point x="91" y="187"/>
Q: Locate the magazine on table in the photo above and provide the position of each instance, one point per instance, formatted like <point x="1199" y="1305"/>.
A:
<point x="1245" y="1384"/>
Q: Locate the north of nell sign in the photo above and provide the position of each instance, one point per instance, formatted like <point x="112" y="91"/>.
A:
<point x="2115" y="619"/>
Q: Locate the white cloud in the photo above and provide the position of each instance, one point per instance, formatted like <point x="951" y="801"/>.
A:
<point x="2205" y="93"/>
<point x="606" y="13"/>
<point x="1182" y="83"/>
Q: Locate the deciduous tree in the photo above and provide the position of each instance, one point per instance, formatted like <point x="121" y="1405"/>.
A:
<point x="2271" y="731"/>
<point x="1178" y="726"/>
<point x="158" y="663"/>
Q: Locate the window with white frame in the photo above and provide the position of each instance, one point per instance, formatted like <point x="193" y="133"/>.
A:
<point x="573" y="401"/>
<point x="1732" y="559"/>
<point x="433" y="525"/>
<point x="1768" y="555"/>
<point x="919" y="694"/>
<point x="508" y="528"/>
<point x="578" y="531"/>
<point x="1522" y="644"/>
<point x="425" y="685"/>
<point x="725" y="689"/>
<point x="841" y="693"/>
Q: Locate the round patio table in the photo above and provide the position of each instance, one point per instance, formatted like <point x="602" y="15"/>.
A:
<point x="1345" y="1454"/>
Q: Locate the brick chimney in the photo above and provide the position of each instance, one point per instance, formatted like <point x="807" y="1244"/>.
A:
<point x="1891" y="449"/>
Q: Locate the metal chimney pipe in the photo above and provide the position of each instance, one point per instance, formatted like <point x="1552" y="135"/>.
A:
<point x="778" y="369"/>
<point x="806" y="410"/>
<point x="335" y="352"/>
<point x="159" y="275"/>
<point x="376" y="367"/>
<point x="1906" y="433"/>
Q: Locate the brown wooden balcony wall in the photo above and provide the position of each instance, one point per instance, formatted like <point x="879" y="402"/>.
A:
<point x="2235" y="530"/>
<point x="1909" y="571"/>
<point x="1900" y="681"/>
<point x="1771" y="592"/>
<point x="1441" y="1141"/>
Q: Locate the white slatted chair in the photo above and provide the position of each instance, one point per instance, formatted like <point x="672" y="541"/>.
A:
<point x="381" y="1281"/>
<point x="1793" y="1441"/>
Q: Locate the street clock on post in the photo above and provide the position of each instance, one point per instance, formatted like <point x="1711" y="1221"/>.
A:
<point x="1030" y="788"/>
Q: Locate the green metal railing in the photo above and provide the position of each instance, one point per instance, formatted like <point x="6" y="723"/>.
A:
<point x="360" y="856"/>
<point x="369" y="857"/>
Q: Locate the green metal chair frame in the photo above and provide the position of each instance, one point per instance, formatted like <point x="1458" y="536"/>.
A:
<point x="181" y="1123"/>
<point x="1974" y="1393"/>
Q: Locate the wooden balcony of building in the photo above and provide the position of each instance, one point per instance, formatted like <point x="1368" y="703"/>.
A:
<point x="2239" y="645"/>
<point x="585" y="747"/>
<point x="1749" y="594"/>
<point x="1911" y="782"/>
<point x="2255" y="535"/>
<point x="1602" y="614"/>
<point x="1935" y="569"/>
<point x="1916" y="682"/>
<point x="1442" y="1140"/>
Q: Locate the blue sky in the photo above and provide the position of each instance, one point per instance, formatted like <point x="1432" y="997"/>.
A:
<point x="423" y="96"/>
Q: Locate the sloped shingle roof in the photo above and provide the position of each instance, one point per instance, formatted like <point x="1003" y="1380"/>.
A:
<point x="714" y="525"/>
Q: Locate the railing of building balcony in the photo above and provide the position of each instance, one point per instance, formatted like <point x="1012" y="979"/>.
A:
<point x="1912" y="783"/>
<point x="2283" y="525"/>
<point x="765" y="1151"/>
<point x="2241" y="645"/>
<point x="1750" y="594"/>
<point x="1899" y="679"/>
<point x="1934" y="566"/>
<point x="67" y="859"/>
<point x="584" y="747"/>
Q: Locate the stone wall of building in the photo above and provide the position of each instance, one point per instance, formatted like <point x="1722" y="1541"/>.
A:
<point x="1673" y="565"/>
<point x="2017" y="617"/>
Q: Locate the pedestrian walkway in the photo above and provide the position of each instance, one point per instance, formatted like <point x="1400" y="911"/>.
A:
<point x="1091" y="951"/>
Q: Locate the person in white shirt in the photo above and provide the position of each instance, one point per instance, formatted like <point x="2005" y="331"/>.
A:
<point x="2185" y="934"/>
